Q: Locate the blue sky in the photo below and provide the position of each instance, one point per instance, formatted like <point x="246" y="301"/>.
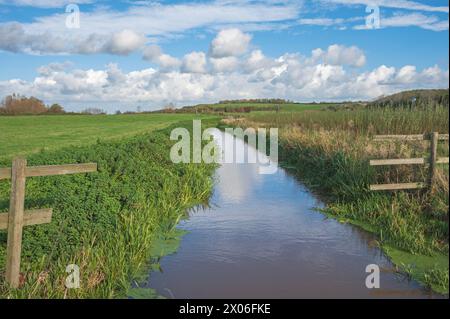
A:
<point x="148" y="53"/>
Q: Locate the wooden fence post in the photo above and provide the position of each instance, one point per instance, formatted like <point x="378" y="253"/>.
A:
<point x="434" y="139"/>
<point x="15" y="221"/>
<point x="17" y="218"/>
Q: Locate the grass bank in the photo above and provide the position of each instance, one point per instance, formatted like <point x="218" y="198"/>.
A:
<point x="107" y="222"/>
<point x="330" y="152"/>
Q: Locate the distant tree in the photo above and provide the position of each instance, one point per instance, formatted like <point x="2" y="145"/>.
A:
<point x="169" y="108"/>
<point x="118" y="112"/>
<point x="93" y="111"/>
<point x="266" y="101"/>
<point x="56" y="109"/>
<point x="18" y="104"/>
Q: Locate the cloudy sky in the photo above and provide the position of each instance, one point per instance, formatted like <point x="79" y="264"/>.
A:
<point x="125" y="54"/>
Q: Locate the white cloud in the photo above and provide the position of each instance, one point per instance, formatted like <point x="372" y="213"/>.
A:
<point x="406" y="74"/>
<point x="14" y="38"/>
<point x="381" y="75"/>
<point x="321" y="21"/>
<point x="415" y="19"/>
<point x="227" y="64"/>
<point x="433" y="74"/>
<point x="125" y="42"/>
<point x="400" y="19"/>
<point x="403" y="17"/>
<point x="49" y="35"/>
<point x="397" y="4"/>
<point x="330" y="73"/>
<point x="229" y="42"/>
<point x="168" y="62"/>
<point x="291" y="76"/>
<point x="152" y="53"/>
<point x="257" y="60"/>
<point x="155" y="54"/>
<point x="44" y="3"/>
<point x="53" y="67"/>
<point x="194" y="62"/>
<point x="340" y="55"/>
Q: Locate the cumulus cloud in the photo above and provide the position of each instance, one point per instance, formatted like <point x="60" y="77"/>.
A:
<point x="340" y="55"/>
<point x="230" y="42"/>
<point x="53" y="67"/>
<point x="125" y="42"/>
<point x="406" y="74"/>
<point x="227" y="64"/>
<point x="155" y="54"/>
<point x="152" y="52"/>
<point x="194" y="62"/>
<point x="332" y="73"/>
<point x="202" y="79"/>
<point x="14" y="38"/>
<point x="257" y="60"/>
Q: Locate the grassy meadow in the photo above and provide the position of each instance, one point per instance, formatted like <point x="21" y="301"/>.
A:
<point x="330" y="152"/>
<point x="22" y="135"/>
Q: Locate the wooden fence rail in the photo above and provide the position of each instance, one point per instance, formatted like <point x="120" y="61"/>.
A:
<point x="432" y="160"/>
<point x="414" y="137"/>
<point x="17" y="217"/>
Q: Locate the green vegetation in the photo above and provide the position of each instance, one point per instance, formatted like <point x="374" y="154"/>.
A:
<point x="256" y="106"/>
<point x="414" y="98"/>
<point x="108" y="223"/>
<point x="363" y="121"/>
<point x="330" y="152"/>
<point x="22" y="135"/>
<point x="111" y="223"/>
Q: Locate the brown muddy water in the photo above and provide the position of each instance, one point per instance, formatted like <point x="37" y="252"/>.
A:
<point x="263" y="238"/>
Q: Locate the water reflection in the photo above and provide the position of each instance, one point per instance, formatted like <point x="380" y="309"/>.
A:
<point x="262" y="239"/>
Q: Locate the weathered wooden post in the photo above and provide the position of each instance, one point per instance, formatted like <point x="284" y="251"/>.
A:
<point x="434" y="140"/>
<point x="15" y="221"/>
<point x="17" y="217"/>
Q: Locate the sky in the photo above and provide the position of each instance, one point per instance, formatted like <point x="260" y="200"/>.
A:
<point x="130" y="54"/>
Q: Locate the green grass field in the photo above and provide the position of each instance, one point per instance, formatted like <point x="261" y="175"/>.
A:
<point x="20" y="135"/>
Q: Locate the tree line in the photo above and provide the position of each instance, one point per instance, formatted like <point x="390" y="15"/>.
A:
<point x="267" y="101"/>
<point x="414" y="98"/>
<point x="17" y="104"/>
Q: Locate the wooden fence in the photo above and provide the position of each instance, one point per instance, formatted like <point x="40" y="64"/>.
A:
<point x="17" y="217"/>
<point x="432" y="160"/>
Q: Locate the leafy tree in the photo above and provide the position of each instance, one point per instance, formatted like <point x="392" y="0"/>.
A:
<point x="56" y="109"/>
<point x="18" y="104"/>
